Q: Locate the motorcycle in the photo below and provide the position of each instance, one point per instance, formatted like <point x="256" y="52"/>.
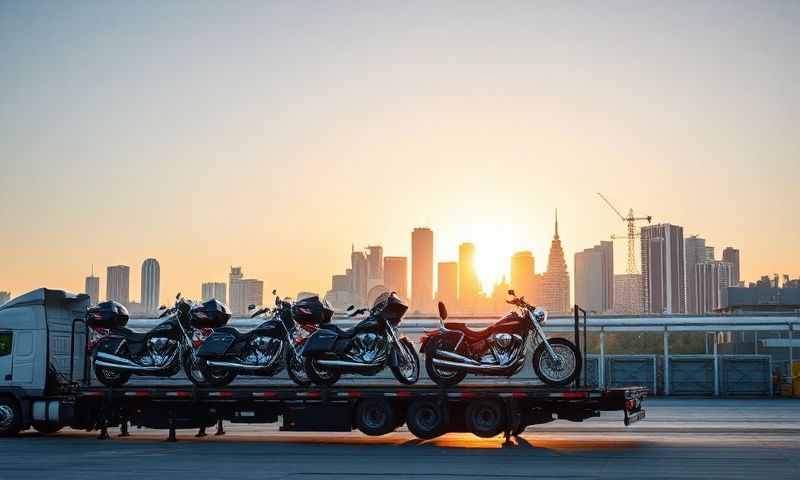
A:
<point x="365" y="349"/>
<point x="118" y="352"/>
<point x="454" y="350"/>
<point x="268" y="348"/>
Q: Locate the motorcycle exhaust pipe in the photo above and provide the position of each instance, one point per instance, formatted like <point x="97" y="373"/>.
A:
<point x="237" y="366"/>
<point x="133" y="368"/>
<point x="115" y="359"/>
<point x="346" y="364"/>
<point x="469" y="367"/>
<point x="121" y="363"/>
<point x="455" y="357"/>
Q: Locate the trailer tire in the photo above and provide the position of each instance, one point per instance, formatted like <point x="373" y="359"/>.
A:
<point x="485" y="418"/>
<point x="375" y="416"/>
<point x="46" y="428"/>
<point x="10" y="417"/>
<point x="426" y="419"/>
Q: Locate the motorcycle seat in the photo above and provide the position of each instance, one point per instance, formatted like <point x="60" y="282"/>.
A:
<point x="340" y="332"/>
<point x="231" y="330"/>
<point x="129" y="335"/>
<point x="470" y="333"/>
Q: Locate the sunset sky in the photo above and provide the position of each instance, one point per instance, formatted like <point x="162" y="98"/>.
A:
<point x="274" y="135"/>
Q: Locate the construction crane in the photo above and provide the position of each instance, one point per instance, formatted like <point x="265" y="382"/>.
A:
<point x="631" y="236"/>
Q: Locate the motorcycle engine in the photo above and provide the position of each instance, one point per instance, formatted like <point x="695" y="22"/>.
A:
<point x="158" y="351"/>
<point x="503" y="348"/>
<point x="368" y="348"/>
<point x="263" y="351"/>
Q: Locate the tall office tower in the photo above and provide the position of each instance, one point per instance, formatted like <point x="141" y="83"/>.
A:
<point x="663" y="263"/>
<point x="537" y="297"/>
<point x="118" y="284"/>
<point x="594" y="278"/>
<point x="712" y="280"/>
<point x="469" y="287"/>
<point x="522" y="272"/>
<point x="695" y="251"/>
<point x="91" y="287"/>
<point x="421" y="269"/>
<point x="628" y="294"/>
<point x="215" y="290"/>
<point x="358" y="262"/>
<point x="731" y="255"/>
<point x="375" y="263"/>
<point x="4" y="297"/>
<point x="447" y="284"/>
<point x="340" y="283"/>
<point x="151" y="285"/>
<point x="253" y="292"/>
<point x="395" y="275"/>
<point x="709" y="254"/>
<point x="236" y="292"/>
<point x="555" y="294"/>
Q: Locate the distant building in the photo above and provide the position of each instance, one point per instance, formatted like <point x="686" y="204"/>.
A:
<point x="340" y="283"/>
<point x="375" y="264"/>
<point x="663" y="267"/>
<point x="91" y="286"/>
<point x="761" y="299"/>
<point x="151" y="285"/>
<point x="469" y="287"/>
<point x="522" y="274"/>
<point x="244" y="292"/>
<point x="709" y="254"/>
<point x="4" y="297"/>
<point x="118" y="284"/>
<point x="695" y="253"/>
<point x="216" y="290"/>
<point x="555" y="294"/>
<point x="447" y="284"/>
<point x="712" y="280"/>
<point x="594" y="278"/>
<point x="628" y="294"/>
<point x="421" y="270"/>
<point x="731" y="255"/>
<point x="395" y="275"/>
<point x="358" y="262"/>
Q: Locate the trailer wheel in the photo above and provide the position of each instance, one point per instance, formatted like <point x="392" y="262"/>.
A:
<point x="426" y="419"/>
<point x="375" y="416"/>
<point x="485" y="418"/>
<point x="10" y="417"/>
<point x="46" y="428"/>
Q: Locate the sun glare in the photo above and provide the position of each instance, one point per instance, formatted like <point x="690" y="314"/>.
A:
<point x="493" y="249"/>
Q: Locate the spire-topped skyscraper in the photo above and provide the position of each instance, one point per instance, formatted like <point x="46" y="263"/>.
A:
<point x="555" y="291"/>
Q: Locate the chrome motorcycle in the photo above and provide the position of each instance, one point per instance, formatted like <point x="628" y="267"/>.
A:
<point x="454" y="350"/>
<point x="118" y="352"/>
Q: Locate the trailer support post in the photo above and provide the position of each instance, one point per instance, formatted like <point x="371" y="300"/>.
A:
<point x="202" y="432"/>
<point x="124" y="428"/>
<point x="171" y="437"/>
<point x="220" y="430"/>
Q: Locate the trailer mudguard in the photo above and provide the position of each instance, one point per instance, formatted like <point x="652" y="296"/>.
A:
<point x="216" y="345"/>
<point x="321" y="341"/>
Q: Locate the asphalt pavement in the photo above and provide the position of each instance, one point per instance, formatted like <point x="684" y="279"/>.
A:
<point x="691" y="438"/>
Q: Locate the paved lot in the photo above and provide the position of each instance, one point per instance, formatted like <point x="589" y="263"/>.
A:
<point x="702" y="438"/>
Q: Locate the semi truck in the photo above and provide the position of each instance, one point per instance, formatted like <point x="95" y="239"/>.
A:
<point x="46" y="384"/>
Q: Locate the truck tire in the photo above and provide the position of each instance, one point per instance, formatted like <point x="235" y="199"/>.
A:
<point x="568" y="354"/>
<point x="426" y="419"/>
<point x="375" y="416"/>
<point x="10" y="417"/>
<point x="485" y="418"/>
<point x="46" y="428"/>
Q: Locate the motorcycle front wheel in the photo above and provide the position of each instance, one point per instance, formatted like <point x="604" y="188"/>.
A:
<point x="563" y="372"/>
<point x="406" y="368"/>
<point x="319" y="375"/>
<point x="296" y="369"/>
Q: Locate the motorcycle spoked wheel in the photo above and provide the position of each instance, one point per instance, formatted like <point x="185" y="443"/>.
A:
<point x="550" y="373"/>
<point x="296" y="369"/>
<point x="319" y="375"/>
<point x="445" y="378"/>
<point x="212" y="376"/>
<point x="406" y="372"/>
<point x="108" y="376"/>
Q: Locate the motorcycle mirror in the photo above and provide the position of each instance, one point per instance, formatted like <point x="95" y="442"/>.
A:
<point x="351" y="307"/>
<point x="162" y="307"/>
<point x="252" y="306"/>
<point x="442" y="311"/>
<point x="178" y="296"/>
<point x="274" y="291"/>
<point x="511" y="292"/>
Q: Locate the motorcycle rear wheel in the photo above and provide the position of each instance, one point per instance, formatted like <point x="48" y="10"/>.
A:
<point x="110" y="377"/>
<point x="320" y="376"/>
<point x="549" y="373"/>
<point x="212" y="376"/>
<point x="444" y="378"/>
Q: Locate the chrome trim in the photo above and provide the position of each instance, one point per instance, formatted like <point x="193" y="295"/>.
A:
<point x="482" y="368"/>
<point x="346" y="364"/>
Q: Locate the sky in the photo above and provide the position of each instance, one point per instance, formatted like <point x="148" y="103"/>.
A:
<point x="275" y="135"/>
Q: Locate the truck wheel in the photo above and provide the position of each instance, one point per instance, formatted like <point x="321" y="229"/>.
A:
<point x="46" y="428"/>
<point x="320" y="376"/>
<point x="552" y="373"/>
<point x="485" y="418"/>
<point x="375" y="416"/>
<point x="426" y="419"/>
<point x="10" y="417"/>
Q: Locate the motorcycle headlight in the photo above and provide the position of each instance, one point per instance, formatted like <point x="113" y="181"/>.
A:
<point x="540" y="315"/>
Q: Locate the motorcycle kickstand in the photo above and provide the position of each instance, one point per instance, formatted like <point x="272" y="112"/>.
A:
<point x="507" y="439"/>
<point x="220" y="430"/>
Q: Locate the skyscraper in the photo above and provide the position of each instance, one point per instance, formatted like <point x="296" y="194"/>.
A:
<point x="151" y="285"/>
<point x="594" y="278"/>
<point x="244" y="291"/>
<point x="421" y="269"/>
<point x="555" y="294"/>
<point x="395" y="275"/>
<point x="253" y="292"/>
<point x="375" y="264"/>
<point x="712" y="280"/>
<point x="118" y="284"/>
<point x="215" y="290"/>
<point x="469" y="287"/>
<point x="663" y="264"/>
<point x="695" y="251"/>
<point x="522" y="274"/>
<point x="628" y="294"/>
<point x="358" y="262"/>
<point x="731" y="255"/>
<point x="92" y="288"/>
<point x="447" y="284"/>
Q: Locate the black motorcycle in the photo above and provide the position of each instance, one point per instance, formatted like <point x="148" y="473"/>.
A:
<point x="120" y="352"/>
<point x="365" y="349"/>
<point x="454" y="349"/>
<point x="268" y="348"/>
